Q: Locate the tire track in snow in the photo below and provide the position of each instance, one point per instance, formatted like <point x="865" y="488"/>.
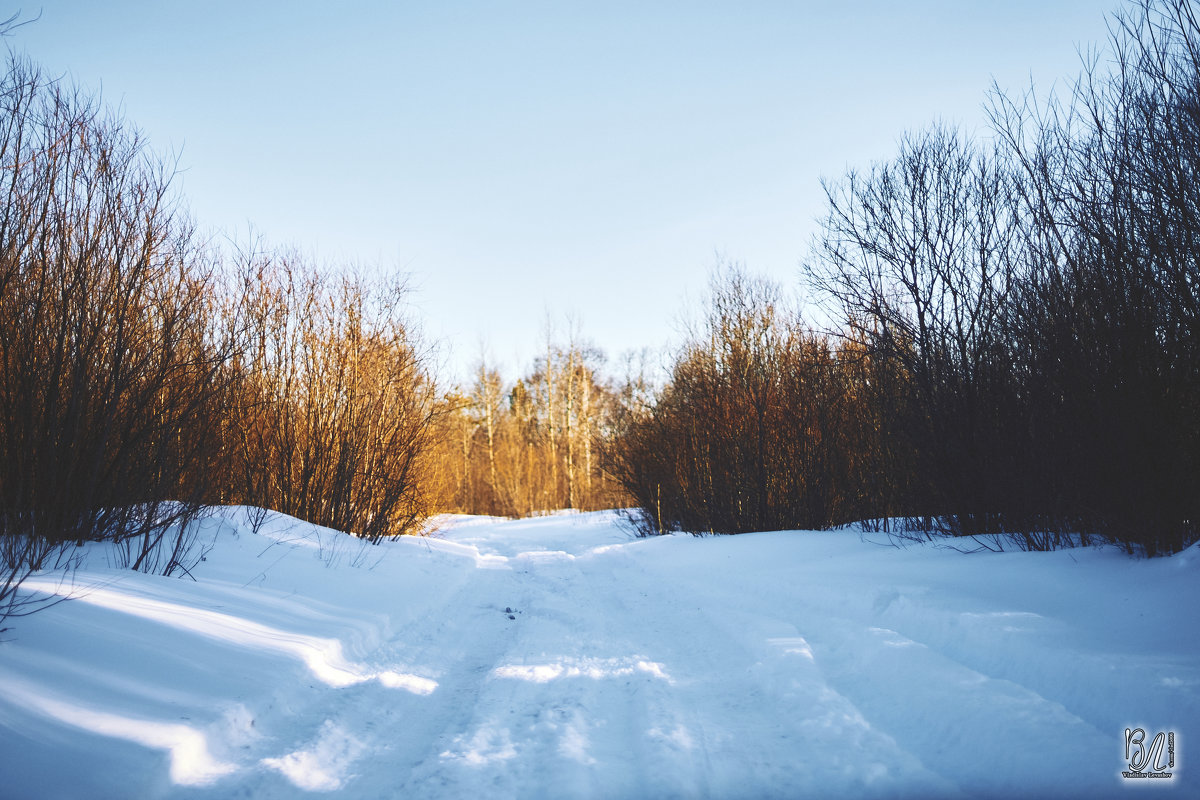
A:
<point x="748" y="707"/>
<point x="544" y="707"/>
<point x="1045" y="655"/>
<point x="739" y="697"/>
<point x="945" y="706"/>
<point x="369" y="738"/>
<point x="889" y="683"/>
<point x="459" y="643"/>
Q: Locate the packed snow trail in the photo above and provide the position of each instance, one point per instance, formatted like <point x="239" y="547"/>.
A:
<point x="561" y="657"/>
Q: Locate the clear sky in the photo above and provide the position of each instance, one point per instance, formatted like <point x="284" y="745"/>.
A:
<point x="520" y="159"/>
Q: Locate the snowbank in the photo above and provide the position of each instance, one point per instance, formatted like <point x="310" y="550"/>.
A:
<point x="560" y="657"/>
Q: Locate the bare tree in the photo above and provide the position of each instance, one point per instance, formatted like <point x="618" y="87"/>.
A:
<point x="1109" y="318"/>
<point x="110" y="352"/>
<point x="749" y="433"/>
<point x="337" y="409"/>
<point x="528" y="447"/>
<point x="920" y="256"/>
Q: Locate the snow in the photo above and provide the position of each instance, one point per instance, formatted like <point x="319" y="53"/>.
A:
<point x="562" y="657"/>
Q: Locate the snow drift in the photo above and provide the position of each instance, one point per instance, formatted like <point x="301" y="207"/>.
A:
<point x="561" y="657"/>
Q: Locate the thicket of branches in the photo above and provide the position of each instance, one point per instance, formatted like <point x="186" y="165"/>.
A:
<point x="1019" y="349"/>
<point x="331" y="409"/>
<point x="110" y="359"/>
<point x="144" y="375"/>
<point x="1107" y="331"/>
<point x="754" y="430"/>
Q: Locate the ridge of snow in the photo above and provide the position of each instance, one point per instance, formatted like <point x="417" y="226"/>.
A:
<point x="561" y="656"/>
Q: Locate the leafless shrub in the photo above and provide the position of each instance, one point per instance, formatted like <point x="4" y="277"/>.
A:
<point x="752" y="432"/>
<point x="333" y="411"/>
<point x="1108" y="318"/>
<point x="107" y="349"/>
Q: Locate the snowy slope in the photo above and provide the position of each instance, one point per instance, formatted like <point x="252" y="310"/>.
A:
<point x="560" y="657"/>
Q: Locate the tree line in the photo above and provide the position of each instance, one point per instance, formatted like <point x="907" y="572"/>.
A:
<point x="1018" y="346"/>
<point x="1015" y="352"/>
<point x="533" y="445"/>
<point x="147" y="373"/>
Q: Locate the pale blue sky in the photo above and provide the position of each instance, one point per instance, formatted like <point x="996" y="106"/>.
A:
<point x="583" y="158"/>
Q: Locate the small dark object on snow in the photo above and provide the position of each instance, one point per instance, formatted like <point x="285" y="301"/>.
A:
<point x="507" y="610"/>
<point x="510" y="616"/>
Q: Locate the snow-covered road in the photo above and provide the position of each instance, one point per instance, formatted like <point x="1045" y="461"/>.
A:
<point x="560" y="657"/>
